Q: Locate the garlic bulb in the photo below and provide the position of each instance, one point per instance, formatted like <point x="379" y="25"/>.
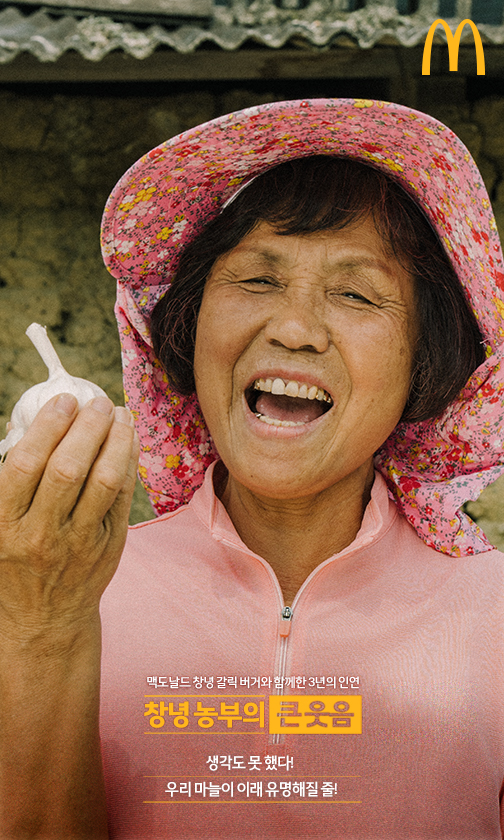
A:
<point x="58" y="382"/>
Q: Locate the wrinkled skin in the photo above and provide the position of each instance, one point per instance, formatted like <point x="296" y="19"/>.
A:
<point x="331" y="308"/>
<point x="62" y="530"/>
<point x="65" y="494"/>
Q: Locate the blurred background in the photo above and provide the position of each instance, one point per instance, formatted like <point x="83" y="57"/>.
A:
<point x="87" y="86"/>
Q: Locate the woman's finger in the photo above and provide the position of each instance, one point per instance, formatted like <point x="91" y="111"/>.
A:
<point x="71" y="461"/>
<point x="110" y="473"/>
<point x="26" y="462"/>
<point x="118" y="515"/>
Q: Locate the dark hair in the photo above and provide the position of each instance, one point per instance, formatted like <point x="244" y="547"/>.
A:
<point x="317" y="193"/>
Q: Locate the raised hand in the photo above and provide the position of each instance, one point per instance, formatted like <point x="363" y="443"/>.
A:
<point x="65" y="494"/>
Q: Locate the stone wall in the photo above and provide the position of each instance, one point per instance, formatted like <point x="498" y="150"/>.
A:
<point x="61" y="151"/>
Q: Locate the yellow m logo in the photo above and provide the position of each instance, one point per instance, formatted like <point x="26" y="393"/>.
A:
<point x="453" y="46"/>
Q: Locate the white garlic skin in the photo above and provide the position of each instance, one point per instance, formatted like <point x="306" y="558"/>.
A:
<point x="58" y="382"/>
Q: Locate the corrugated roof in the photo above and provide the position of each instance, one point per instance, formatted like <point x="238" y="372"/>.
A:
<point x="47" y="36"/>
<point x="136" y="7"/>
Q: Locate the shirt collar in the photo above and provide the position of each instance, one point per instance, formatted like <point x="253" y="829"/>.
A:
<point x="378" y="515"/>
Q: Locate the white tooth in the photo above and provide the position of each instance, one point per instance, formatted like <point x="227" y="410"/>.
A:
<point x="278" y="386"/>
<point x="267" y="384"/>
<point x="292" y="389"/>
<point x="303" y="392"/>
<point x="312" y="392"/>
<point x="320" y="394"/>
<point x="327" y="398"/>
<point x="257" y="384"/>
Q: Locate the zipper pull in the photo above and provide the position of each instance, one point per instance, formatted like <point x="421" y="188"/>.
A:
<point x="285" y="623"/>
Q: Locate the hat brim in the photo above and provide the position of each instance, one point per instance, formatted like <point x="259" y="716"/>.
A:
<point x="172" y="192"/>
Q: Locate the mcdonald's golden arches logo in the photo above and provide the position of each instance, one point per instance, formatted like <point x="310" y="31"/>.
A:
<point x="453" y="46"/>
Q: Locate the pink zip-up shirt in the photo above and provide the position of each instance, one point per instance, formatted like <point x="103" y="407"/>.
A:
<point x="196" y="642"/>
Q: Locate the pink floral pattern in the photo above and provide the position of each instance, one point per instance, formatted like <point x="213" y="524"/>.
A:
<point x="166" y="198"/>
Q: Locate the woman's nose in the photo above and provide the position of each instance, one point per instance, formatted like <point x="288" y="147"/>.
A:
<point x="298" y="324"/>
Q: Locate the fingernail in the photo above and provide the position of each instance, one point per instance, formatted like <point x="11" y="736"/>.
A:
<point x="122" y="415"/>
<point x="66" y="403"/>
<point x="102" y="404"/>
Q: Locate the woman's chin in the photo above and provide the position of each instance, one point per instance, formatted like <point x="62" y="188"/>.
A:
<point x="292" y="481"/>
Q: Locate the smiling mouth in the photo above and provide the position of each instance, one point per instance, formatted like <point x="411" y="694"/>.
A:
<point x="291" y="403"/>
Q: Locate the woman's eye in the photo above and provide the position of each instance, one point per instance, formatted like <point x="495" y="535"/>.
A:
<point x="259" y="281"/>
<point x="356" y="296"/>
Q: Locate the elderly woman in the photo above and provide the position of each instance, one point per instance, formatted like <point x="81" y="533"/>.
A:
<point x="309" y="308"/>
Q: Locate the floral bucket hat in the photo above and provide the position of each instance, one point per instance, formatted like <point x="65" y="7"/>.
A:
<point x="169" y="195"/>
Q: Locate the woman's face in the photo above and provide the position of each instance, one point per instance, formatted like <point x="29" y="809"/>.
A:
<point x="328" y="313"/>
